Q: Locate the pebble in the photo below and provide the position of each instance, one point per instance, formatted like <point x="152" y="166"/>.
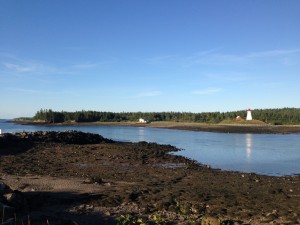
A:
<point x="107" y="184"/>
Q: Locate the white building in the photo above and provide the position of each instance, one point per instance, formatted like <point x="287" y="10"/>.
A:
<point x="143" y="121"/>
<point x="249" y="116"/>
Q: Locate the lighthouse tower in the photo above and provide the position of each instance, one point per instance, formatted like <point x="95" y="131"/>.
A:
<point x="249" y="116"/>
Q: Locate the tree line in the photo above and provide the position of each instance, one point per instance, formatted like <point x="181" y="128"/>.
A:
<point x="271" y="116"/>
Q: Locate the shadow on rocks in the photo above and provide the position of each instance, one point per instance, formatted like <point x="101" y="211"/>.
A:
<point x="55" y="208"/>
<point x="11" y="144"/>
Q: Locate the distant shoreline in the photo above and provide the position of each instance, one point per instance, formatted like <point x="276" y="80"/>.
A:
<point x="221" y="128"/>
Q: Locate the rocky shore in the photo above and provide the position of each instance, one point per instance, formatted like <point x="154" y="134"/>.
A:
<point x="66" y="137"/>
<point x="79" y="178"/>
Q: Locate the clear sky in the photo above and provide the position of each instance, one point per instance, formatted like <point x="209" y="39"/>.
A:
<point x="148" y="55"/>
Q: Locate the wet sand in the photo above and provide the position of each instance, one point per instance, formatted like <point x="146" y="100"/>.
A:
<point x="97" y="183"/>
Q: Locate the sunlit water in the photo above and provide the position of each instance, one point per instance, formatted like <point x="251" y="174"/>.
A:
<point x="268" y="154"/>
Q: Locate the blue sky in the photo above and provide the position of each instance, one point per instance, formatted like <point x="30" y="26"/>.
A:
<point x="148" y="55"/>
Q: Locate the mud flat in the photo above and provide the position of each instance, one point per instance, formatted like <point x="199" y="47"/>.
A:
<point x="64" y="178"/>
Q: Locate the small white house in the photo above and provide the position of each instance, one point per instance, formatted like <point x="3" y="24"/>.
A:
<point x="238" y="118"/>
<point x="141" y="120"/>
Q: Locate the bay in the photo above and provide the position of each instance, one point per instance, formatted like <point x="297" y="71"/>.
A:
<point x="266" y="154"/>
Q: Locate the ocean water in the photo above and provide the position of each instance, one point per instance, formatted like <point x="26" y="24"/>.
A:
<point x="267" y="154"/>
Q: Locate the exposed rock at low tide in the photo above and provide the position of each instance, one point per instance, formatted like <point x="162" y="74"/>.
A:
<point x="66" y="137"/>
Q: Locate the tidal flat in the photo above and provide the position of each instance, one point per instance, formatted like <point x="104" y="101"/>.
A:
<point x="65" y="178"/>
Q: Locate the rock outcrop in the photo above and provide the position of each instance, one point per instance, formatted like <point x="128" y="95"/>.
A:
<point x="66" y="137"/>
<point x="11" y="202"/>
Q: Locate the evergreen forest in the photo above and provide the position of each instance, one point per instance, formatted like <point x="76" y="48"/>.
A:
<point x="282" y="116"/>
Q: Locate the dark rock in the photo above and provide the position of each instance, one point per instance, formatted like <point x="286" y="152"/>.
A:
<point x="96" y="180"/>
<point x="228" y="222"/>
<point x="134" y="196"/>
<point x="16" y="200"/>
<point x="7" y="211"/>
<point x="10" y="202"/>
<point x="24" y="140"/>
<point x="4" y="189"/>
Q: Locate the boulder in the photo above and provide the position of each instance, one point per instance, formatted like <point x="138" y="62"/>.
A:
<point x="10" y="201"/>
<point x="4" y="189"/>
<point x="16" y="199"/>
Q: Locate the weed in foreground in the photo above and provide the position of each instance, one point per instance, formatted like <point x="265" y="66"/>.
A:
<point x="129" y="220"/>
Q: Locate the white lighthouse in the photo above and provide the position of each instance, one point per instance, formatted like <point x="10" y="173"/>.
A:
<point x="249" y="116"/>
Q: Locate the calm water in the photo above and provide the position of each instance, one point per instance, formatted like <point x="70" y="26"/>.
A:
<point x="268" y="154"/>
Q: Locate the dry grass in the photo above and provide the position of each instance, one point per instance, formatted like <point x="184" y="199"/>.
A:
<point x="244" y="122"/>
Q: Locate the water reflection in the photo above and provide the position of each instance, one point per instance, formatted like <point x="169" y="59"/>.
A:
<point x="141" y="134"/>
<point x="249" y="146"/>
